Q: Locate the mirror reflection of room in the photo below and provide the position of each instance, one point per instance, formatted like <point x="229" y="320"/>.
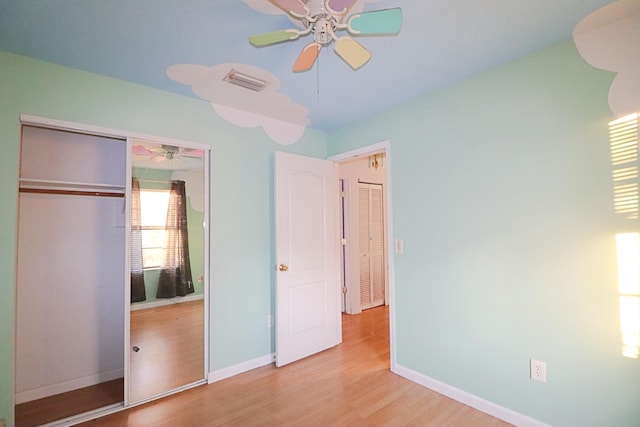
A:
<point x="167" y="269"/>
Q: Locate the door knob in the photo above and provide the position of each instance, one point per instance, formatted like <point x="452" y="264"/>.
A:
<point x="283" y="267"/>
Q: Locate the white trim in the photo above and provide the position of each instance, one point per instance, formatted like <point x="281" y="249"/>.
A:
<point x="127" y="275"/>
<point x="383" y="146"/>
<point x="63" y="387"/>
<point x="165" y="301"/>
<point x="469" y="399"/>
<point x="207" y="259"/>
<point x="241" y="368"/>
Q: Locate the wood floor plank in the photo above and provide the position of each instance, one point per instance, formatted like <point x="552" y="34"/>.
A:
<point x="347" y="385"/>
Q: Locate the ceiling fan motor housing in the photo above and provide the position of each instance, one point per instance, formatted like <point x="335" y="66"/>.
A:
<point x="322" y="27"/>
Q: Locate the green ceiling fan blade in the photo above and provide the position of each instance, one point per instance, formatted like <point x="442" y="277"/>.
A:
<point x="266" y="39"/>
<point x="377" y="22"/>
<point x="352" y="52"/>
<point x="295" y="8"/>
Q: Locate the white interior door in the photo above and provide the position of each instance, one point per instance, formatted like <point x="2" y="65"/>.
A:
<point x="307" y="256"/>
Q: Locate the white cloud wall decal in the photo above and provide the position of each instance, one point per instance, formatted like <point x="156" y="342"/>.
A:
<point x="609" y="39"/>
<point x="280" y="118"/>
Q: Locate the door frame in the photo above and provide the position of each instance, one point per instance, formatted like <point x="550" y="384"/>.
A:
<point x="382" y="147"/>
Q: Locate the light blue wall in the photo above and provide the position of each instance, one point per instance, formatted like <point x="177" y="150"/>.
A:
<point x="502" y="192"/>
<point x="241" y="184"/>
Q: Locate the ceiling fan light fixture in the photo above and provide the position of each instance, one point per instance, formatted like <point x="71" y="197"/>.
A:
<point x="246" y="81"/>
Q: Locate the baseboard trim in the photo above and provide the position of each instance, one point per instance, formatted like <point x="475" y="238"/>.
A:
<point x="167" y="301"/>
<point x="240" y="368"/>
<point x="469" y="399"/>
<point x="53" y="389"/>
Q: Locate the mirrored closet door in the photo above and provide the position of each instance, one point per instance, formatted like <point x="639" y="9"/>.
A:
<point x="168" y="227"/>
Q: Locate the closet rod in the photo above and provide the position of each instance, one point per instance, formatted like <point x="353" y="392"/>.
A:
<point x="71" y="192"/>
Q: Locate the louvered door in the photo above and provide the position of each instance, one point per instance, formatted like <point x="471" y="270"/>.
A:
<point x="371" y="244"/>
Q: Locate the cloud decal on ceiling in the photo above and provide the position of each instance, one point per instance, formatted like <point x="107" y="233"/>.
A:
<point x="281" y="119"/>
<point x="609" y="39"/>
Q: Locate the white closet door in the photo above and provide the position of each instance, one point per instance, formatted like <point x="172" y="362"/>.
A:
<point x="371" y="244"/>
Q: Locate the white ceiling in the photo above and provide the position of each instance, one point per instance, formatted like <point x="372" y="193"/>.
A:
<point x="441" y="42"/>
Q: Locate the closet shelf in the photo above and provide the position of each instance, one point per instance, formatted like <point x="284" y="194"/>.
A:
<point x="30" y="185"/>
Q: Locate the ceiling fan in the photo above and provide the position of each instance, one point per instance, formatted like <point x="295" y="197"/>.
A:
<point x="323" y="18"/>
<point x="165" y="152"/>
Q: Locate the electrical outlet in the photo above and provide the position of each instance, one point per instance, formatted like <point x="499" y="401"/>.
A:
<point x="538" y="371"/>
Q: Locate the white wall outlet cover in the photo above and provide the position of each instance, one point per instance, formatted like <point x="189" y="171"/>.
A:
<point x="538" y="370"/>
<point x="281" y="119"/>
<point x="609" y="39"/>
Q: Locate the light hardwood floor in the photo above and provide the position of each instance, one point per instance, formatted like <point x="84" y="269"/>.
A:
<point x="349" y="385"/>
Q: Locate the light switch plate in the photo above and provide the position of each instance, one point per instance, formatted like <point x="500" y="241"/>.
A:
<point x="399" y="246"/>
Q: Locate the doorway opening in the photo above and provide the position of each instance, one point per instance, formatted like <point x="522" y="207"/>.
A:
<point x="367" y="279"/>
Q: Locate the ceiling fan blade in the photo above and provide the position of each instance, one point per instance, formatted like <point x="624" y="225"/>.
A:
<point x="339" y="6"/>
<point x="381" y="22"/>
<point x="295" y="8"/>
<point x="307" y="58"/>
<point x="352" y="52"/>
<point x="266" y="39"/>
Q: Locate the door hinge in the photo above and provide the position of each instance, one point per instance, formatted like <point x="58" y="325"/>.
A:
<point x="344" y="289"/>
<point x="344" y="242"/>
<point x="342" y="194"/>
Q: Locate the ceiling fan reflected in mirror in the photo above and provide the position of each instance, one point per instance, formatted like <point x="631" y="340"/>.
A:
<point x="164" y="152"/>
<point x="323" y="18"/>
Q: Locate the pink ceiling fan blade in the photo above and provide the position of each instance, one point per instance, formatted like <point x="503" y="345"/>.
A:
<point x="307" y="58"/>
<point x="295" y="8"/>
<point x="339" y="6"/>
<point x="141" y="150"/>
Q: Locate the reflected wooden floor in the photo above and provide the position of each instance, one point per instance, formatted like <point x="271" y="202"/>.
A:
<point x="170" y="339"/>
<point x="349" y="385"/>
